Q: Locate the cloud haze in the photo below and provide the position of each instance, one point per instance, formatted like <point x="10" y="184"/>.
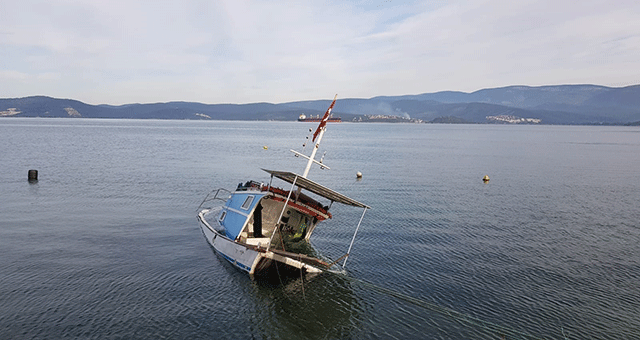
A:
<point x="118" y="52"/>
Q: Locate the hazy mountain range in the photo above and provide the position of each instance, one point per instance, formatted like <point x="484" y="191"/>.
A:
<point x="561" y="104"/>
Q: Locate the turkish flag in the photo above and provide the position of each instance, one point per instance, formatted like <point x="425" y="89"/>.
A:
<point x="323" y="122"/>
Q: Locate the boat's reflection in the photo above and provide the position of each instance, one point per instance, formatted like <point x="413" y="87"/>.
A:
<point x="305" y="307"/>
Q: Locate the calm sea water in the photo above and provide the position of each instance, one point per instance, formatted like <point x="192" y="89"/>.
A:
<point x="106" y="244"/>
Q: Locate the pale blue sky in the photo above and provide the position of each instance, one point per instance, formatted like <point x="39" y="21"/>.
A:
<point x="117" y="52"/>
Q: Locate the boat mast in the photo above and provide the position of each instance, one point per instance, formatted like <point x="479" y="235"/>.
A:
<point x="313" y="153"/>
<point x="319" y="133"/>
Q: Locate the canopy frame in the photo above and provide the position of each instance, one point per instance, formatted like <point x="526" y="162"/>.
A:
<point x="315" y="188"/>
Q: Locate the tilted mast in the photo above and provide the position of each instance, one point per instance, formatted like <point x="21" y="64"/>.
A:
<point x="317" y="134"/>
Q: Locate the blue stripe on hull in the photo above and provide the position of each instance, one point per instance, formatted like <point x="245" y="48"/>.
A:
<point x="232" y="261"/>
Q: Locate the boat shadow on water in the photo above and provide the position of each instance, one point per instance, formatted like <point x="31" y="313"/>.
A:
<point x="312" y="306"/>
<point x="316" y="305"/>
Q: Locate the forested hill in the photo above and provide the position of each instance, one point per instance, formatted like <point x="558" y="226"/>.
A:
<point x="562" y="104"/>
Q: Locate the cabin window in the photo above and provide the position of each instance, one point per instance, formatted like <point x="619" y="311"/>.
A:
<point x="247" y="202"/>
<point x="222" y="216"/>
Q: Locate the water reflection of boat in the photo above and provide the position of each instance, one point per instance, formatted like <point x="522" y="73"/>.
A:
<point x="261" y="225"/>
<point x="323" y="306"/>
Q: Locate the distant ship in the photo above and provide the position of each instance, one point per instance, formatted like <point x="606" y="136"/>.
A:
<point x="304" y="118"/>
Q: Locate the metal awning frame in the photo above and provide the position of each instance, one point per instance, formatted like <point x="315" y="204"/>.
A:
<point x="316" y="188"/>
<point x="320" y="190"/>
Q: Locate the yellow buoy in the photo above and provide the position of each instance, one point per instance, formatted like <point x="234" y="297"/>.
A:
<point x="485" y="178"/>
<point x="265" y="147"/>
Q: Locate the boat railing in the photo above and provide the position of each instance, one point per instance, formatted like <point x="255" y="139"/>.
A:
<point x="221" y="194"/>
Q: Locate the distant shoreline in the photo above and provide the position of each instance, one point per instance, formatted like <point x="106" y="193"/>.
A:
<point x="295" y="121"/>
<point x="547" y="105"/>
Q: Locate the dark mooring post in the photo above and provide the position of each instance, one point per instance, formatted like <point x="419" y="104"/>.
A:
<point x="33" y="175"/>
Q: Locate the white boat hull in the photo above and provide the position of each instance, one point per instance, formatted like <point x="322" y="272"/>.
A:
<point x="237" y="254"/>
<point x="246" y="257"/>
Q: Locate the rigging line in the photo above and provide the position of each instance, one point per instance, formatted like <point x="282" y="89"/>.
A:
<point x="281" y="239"/>
<point x="563" y="335"/>
<point x="302" y="278"/>
<point x="353" y="239"/>
<point x="278" y="271"/>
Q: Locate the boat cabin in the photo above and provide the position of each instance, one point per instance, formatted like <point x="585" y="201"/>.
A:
<point x="254" y="210"/>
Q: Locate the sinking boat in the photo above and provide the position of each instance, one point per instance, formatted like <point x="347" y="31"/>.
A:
<point x="260" y="226"/>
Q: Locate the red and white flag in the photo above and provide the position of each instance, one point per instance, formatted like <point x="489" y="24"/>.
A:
<point x="323" y="122"/>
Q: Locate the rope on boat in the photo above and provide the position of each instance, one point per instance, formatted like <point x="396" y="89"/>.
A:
<point x="302" y="277"/>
